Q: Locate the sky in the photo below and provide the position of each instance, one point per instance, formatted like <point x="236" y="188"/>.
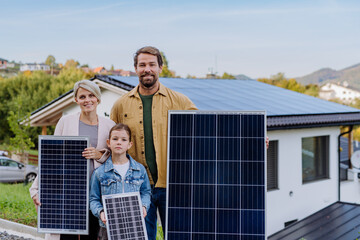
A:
<point x="254" y="38"/>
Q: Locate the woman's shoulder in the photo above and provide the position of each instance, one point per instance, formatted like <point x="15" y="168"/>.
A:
<point x="106" y="121"/>
<point x="69" y="117"/>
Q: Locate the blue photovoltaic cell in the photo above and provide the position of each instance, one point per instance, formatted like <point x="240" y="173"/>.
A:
<point x="63" y="185"/>
<point x="216" y="176"/>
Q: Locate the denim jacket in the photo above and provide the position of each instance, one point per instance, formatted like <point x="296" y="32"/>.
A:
<point x="106" y="180"/>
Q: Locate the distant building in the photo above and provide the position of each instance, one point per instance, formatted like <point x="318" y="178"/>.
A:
<point x="3" y="63"/>
<point x="100" y="70"/>
<point x="120" y="72"/>
<point x="127" y="73"/>
<point x="343" y="92"/>
<point x="10" y="65"/>
<point x="34" y="67"/>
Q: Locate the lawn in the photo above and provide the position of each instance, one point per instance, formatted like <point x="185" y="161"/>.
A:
<point x="17" y="206"/>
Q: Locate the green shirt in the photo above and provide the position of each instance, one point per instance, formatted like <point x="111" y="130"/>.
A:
<point x="148" y="136"/>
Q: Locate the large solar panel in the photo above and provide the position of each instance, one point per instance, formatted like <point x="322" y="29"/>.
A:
<point x="63" y="185"/>
<point x="216" y="176"/>
<point x="124" y="216"/>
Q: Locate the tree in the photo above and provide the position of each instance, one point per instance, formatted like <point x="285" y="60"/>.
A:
<point x="227" y="76"/>
<point x="166" y="72"/>
<point x="21" y="140"/>
<point x="280" y="80"/>
<point x="50" y="60"/>
<point x="23" y="94"/>
<point x="191" y="76"/>
<point x="71" y="63"/>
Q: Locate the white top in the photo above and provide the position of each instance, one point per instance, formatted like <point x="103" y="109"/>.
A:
<point x="122" y="169"/>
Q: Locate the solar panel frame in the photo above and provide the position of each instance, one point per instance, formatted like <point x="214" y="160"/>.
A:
<point x="189" y="171"/>
<point x="138" y="205"/>
<point x="62" y="141"/>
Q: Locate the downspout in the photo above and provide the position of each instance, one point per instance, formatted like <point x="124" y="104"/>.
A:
<point x="339" y="180"/>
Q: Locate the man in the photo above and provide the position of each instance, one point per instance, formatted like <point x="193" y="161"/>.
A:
<point x="144" y="109"/>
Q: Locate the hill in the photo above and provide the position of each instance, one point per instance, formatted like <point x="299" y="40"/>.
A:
<point x="325" y="75"/>
<point x="243" y="77"/>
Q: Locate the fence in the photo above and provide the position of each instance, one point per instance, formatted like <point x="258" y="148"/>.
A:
<point x="33" y="159"/>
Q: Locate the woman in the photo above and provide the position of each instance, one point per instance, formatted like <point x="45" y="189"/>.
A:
<point x="86" y="123"/>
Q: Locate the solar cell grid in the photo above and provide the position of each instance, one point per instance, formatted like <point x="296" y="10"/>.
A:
<point x="124" y="216"/>
<point x="63" y="185"/>
<point x="216" y="178"/>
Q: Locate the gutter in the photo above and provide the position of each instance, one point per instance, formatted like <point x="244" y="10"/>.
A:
<point x="339" y="180"/>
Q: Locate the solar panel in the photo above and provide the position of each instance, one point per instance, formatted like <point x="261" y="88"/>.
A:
<point x="63" y="185"/>
<point x="216" y="176"/>
<point x="124" y="216"/>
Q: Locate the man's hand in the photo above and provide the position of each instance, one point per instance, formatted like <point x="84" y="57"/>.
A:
<point x="267" y="142"/>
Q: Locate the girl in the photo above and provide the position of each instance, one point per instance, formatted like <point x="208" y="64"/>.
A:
<point x="120" y="173"/>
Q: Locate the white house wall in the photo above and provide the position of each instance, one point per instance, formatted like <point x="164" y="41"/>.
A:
<point x="332" y="90"/>
<point x="306" y="199"/>
<point x="350" y="189"/>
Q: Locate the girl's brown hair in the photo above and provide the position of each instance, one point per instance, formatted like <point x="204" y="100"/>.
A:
<point x="121" y="126"/>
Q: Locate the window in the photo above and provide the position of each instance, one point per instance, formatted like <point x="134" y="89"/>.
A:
<point x="272" y="165"/>
<point x="315" y="158"/>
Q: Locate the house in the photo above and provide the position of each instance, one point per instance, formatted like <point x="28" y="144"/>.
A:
<point x="343" y="92"/>
<point x="302" y="160"/>
<point x="100" y="70"/>
<point x="3" y="63"/>
<point x="125" y="73"/>
<point x="34" y="67"/>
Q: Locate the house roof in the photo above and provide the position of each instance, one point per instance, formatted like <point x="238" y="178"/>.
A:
<point x="98" y="69"/>
<point x="1" y="59"/>
<point x="338" y="221"/>
<point x="284" y="108"/>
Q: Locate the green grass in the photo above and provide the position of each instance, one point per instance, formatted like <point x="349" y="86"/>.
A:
<point x="159" y="233"/>
<point x="16" y="204"/>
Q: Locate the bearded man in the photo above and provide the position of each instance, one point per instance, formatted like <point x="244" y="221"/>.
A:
<point x="144" y="109"/>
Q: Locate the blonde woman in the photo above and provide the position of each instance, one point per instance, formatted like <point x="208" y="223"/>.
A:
<point x="85" y="123"/>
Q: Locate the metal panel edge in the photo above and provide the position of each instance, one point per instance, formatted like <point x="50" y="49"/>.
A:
<point x="46" y="230"/>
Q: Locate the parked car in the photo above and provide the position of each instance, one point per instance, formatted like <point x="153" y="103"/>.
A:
<point x="14" y="171"/>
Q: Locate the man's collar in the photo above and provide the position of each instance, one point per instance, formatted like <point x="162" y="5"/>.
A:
<point x="135" y="91"/>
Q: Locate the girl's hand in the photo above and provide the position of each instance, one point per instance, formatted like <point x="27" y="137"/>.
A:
<point x="91" y="153"/>
<point x="102" y="217"/>
<point x="144" y="211"/>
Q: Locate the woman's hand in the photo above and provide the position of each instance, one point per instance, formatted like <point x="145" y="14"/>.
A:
<point x="102" y="217"/>
<point x="36" y="201"/>
<point x="91" y="153"/>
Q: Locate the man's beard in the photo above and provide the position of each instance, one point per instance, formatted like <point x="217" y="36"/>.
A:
<point x="148" y="83"/>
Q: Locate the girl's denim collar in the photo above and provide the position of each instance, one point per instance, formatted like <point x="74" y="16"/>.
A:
<point x="110" y="167"/>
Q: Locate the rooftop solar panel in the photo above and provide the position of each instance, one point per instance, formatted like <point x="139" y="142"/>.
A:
<point x="124" y="216"/>
<point x="216" y="176"/>
<point x="63" y="185"/>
